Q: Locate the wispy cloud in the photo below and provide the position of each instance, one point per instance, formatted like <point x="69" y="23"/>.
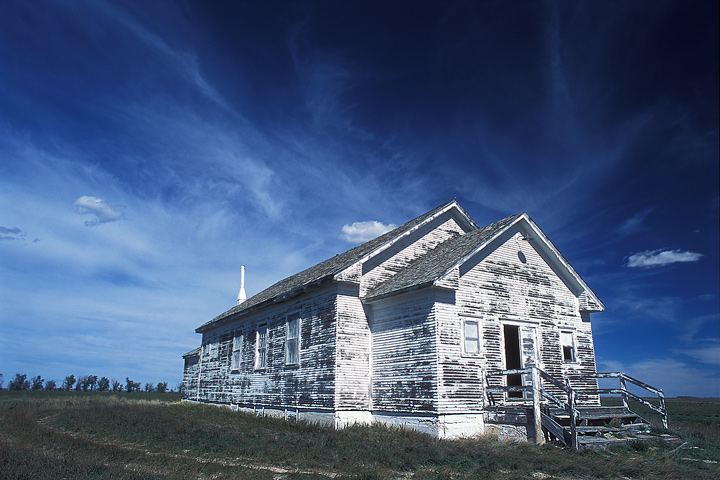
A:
<point x="364" y="231"/>
<point x="660" y="258"/>
<point x="709" y="354"/>
<point x="104" y="213"/>
<point x="633" y="223"/>
<point x="185" y="62"/>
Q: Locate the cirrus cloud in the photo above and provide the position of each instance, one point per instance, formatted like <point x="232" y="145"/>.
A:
<point x="104" y="213"/>
<point x="660" y="258"/>
<point x="363" y="231"/>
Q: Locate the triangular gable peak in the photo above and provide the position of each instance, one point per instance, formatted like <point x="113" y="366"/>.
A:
<point x="437" y="266"/>
<point x="434" y="228"/>
<point x="532" y="234"/>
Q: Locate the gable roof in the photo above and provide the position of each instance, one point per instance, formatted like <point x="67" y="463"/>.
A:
<point x="424" y="271"/>
<point x="325" y="271"/>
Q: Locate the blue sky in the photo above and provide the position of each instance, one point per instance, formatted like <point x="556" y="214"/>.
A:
<point x="149" y="149"/>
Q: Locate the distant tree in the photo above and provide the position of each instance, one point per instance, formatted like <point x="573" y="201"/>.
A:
<point x="116" y="385"/>
<point x="50" y="385"/>
<point x="36" y="383"/>
<point x="161" y="387"/>
<point x="1" y="381"/>
<point x="81" y="383"/>
<point x="149" y="387"/>
<point x="103" y="384"/>
<point x="92" y="381"/>
<point x="20" y="382"/>
<point x="68" y="382"/>
<point x="131" y="386"/>
<point x="180" y="387"/>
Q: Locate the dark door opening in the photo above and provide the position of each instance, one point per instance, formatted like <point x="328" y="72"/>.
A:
<point x="512" y="358"/>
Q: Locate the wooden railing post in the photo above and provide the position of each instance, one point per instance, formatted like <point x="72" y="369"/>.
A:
<point x="623" y="387"/>
<point x="536" y="394"/>
<point x="661" y="396"/>
<point x="573" y="415"/>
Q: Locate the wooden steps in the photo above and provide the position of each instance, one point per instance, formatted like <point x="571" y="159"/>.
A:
<point x="548" y="408"/>
<point x="599" y="427"/>
<point x="596" y="427"/>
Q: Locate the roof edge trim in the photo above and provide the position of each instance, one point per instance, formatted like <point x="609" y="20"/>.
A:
<point x="440" y="210"/>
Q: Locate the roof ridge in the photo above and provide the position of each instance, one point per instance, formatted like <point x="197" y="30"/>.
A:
<point x="319" y="272"/>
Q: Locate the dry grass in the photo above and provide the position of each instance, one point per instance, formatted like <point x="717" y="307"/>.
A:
<point x="82" y="435"/>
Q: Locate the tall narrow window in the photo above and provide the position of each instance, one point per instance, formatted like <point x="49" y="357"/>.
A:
<point x="261" y="348"/>
<point x="292" y="339"/>
<point x="236" y="352"/>
<point x="568" y="347"/>
<point x="472" y="337"/>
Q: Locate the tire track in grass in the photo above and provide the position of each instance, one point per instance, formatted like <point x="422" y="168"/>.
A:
<point x="238" y="462"/>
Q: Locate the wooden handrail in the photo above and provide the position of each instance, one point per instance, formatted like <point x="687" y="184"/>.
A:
<point x="539" y="393"/>
<point x="623" y="378"/>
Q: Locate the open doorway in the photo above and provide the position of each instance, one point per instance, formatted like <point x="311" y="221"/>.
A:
<point x="513" y="358"/>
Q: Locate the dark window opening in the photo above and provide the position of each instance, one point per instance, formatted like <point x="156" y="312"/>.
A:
<point x="512" y="358"/>
<point x="568" y="347"/>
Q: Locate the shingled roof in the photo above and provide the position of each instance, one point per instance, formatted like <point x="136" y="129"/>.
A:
<point x="425" y="270"/>
<point x="322" y="272"/>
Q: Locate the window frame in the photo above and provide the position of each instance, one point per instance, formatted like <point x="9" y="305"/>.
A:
<point x="465" y="339"/>
<point x="292" y="317"/>
<point x="236" y="353"/>
<point x="261" y="353"/>
<point x="211" y="349"/>
<point x="572" y="346"/>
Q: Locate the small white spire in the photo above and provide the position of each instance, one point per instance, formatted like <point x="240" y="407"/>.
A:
<point x="242" y="296"/>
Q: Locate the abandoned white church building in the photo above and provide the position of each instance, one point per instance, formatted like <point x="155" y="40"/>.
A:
<point x="439" y="325"/>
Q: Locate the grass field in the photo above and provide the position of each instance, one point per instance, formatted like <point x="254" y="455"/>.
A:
<point x="154" y="436"/>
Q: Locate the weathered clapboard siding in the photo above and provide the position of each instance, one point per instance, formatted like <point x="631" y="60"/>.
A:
<point x="460" y="376"/>
<point x="387" y="263"/>
<point x="310" y="384"/>
<point x="353" y="351"/>
<point x="512" y="283"/>
<point x="190" y="374"/>
<point x="404" y="355"/>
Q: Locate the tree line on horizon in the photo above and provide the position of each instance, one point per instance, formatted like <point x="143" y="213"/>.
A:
<point x="84" y="383"/>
